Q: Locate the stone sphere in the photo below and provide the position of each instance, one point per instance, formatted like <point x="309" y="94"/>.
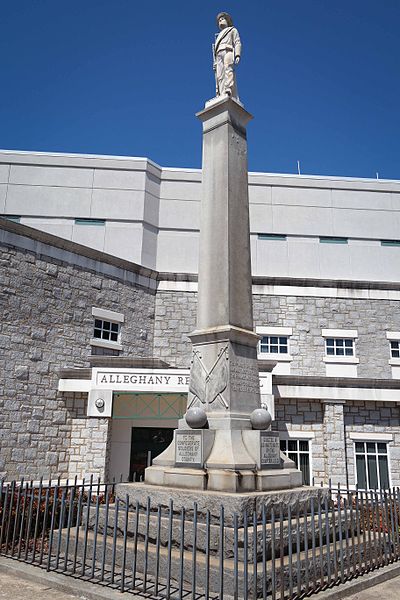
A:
<point x="196" y="417"/>
<point x="260" y="418"/>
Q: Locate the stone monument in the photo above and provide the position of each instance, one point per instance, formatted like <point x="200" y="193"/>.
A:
<point x="224" y="443"/>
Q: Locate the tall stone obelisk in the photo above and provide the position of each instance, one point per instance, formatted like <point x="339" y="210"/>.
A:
<point x="224" y="442"/>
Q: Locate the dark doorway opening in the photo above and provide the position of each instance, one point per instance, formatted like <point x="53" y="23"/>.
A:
<point x="146" y="444"/>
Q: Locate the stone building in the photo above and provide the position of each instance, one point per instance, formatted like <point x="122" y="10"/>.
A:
<point x="98" y="296"/>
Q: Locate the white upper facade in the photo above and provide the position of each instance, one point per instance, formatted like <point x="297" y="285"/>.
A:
<point x="301" y="226"/>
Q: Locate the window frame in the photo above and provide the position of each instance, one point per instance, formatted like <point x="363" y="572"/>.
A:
<point x="278" y="332"/>
<point x="371" y="440"/>
<point x="106" y="316"/>
<point x="340" y="334"/>
<point x="298" y="436"/>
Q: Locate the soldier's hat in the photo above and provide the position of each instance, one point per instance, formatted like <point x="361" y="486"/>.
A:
<point x="227" y="17"/>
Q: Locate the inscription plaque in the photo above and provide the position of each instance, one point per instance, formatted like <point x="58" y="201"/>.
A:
<point x="270" y="455"/>
<point x="189" y="449"/>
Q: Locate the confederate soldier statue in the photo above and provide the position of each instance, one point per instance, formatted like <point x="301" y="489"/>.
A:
<point x="226" y="51"/>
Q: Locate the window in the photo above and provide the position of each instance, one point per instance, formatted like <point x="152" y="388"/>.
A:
<point x="106" y="329"/>
<point x="272" y="344"/>
<point x="390" y="242"/>
<point x="272" y="236"/>
<point x="395" y="348"/>
<point x="339" y="347"/>
<point x="332" y="240"/>
<point x="14" y="218"/>
<point x="372" y="465"/>
<point x="299" y="452"/>
<point x="90" y="222"/>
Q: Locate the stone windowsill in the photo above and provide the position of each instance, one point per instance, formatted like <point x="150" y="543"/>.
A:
<point x="275" y="357"/>
<point x="105" y="344"/>
<point x="394" y="362"/>
<point x="339" y="360"/>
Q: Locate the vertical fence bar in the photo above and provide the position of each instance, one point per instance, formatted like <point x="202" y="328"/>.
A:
<point x="135" y="550"/>
<point x="385" y="527"/>
<point x="376" y="554"/>
<point x="306" y="563"/>
<point x="44" y="524"/>
<point x="298" y="550"/>
<point x="346" y="532"/>
<point x="36" y="530"/>
<point x="29" y="522"/>
<point x="235" y="558"/>
<point x="273" y="560"/>
<point x="393" y="524"/>
<point x="86" y="530"/>
<point x="313" y="547"/>
<point x="340" y="525"/>
<point x="4" y="515"/>
<point x="21" y="529"/>
<point x="8" y="528"/>
<point x="114" y="545"/>
<point x="169" y="555"/>
<point x="146" y="544"/>
<point x="255" y="554"/>
<point x="321" y="541"/>
<point x="353" y="540"/>
<point x="157" y="561"/>
<point x="396" y="520"/>
<point x="77" y="526"/>
<point x="60" y="527"/>
<point x="181" y="554"/>
<point x="52" y="523"/>
<point x="363" y="524"/>
<point x="194" y="551"/>
<point x="281" y="553"/>
<point x="358" y="532"/>
<point x="95" y="532"/>
<point x="390" y="522"/>
<point x="105" y="534"/>
<point x="126" y="523"/>
<point x="16" y="520"/>
<point x="381" y="535"/>
<point x="71" y="510"/>
<point x="221" y="551"/>
<point x="245" y="556"/>
<point x="264" y="552"/>
<point x="328" y="540"/>
<point x="334" y="539"/>
<point x="290" y="550"/>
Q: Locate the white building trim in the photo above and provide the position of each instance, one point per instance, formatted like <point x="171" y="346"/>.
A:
<point x="370" y="436"/>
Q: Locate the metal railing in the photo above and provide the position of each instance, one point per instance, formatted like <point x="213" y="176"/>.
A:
<point x="273" y="550"/>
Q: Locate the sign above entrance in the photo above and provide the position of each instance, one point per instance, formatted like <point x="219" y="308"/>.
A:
<point x="142" y="380"/>
<point x="154" y="380"/>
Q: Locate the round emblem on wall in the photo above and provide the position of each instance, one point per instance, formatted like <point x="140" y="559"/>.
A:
<point x="99" y="403"/>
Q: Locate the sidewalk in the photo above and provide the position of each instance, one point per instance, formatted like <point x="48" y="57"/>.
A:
<point x="14" y="588"/>
<point x="389" y="590"/>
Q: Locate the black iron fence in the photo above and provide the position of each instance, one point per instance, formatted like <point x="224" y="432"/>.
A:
<point x="275" y="549"/>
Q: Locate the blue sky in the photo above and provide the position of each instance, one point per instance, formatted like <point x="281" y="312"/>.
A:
<point x="125" y="77"/>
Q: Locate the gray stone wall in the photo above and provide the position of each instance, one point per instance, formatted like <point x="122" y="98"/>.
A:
<point x="176" y="317"/>
<point x="369" y="418"/>
<point x="46" y="325"/>
<point x="331" y="425"/>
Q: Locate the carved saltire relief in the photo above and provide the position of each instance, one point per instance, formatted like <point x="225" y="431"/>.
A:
<point x="208" y="386"/>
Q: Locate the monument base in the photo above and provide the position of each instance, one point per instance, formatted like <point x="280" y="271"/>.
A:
<point x="223" y="480"/>
<point x="206" y="500"/>
<point x="227" y="460"/>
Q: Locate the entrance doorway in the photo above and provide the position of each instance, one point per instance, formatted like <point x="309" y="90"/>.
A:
<point x="146" y="444"/>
